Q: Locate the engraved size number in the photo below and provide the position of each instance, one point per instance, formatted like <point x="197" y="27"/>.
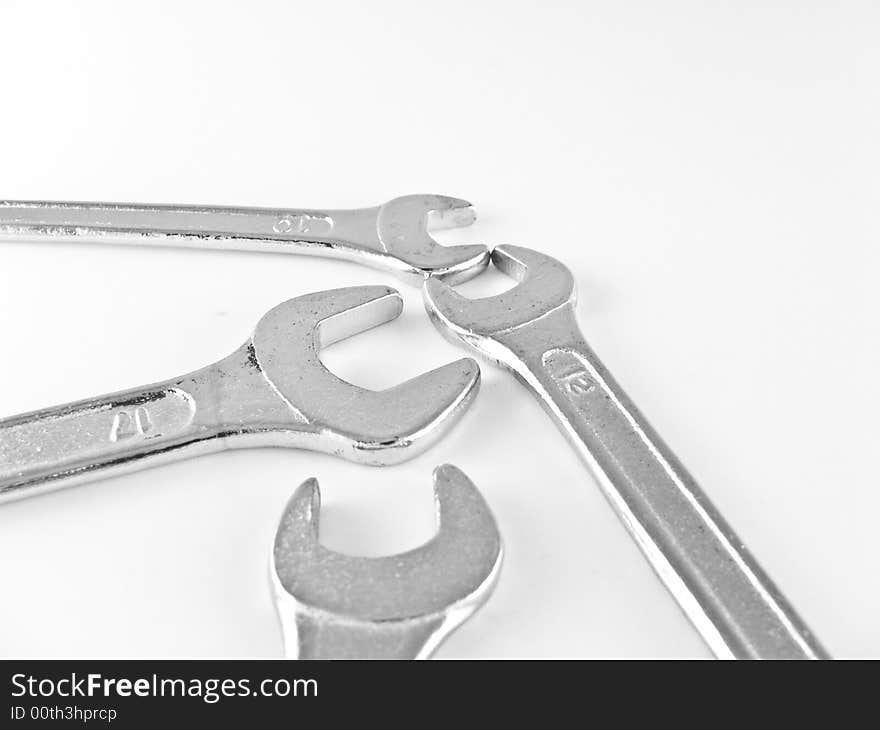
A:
<point x="577" y="382"/>
<point x="569" y="372"/>
<point x="302" y="223"/>
<point x="130" y="423"/>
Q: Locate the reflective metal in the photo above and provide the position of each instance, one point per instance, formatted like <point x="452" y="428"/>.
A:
<point x="335" y="606"/>
<point x="532" y="330"/>
<point x="393" y="236"/>
<point x="272" y="391"/>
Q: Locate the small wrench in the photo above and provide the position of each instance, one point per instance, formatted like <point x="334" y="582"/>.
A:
<point x="272" y="391"/>
<point x="532" y="330"/>
<point x="335" y="606"/>
<point x="393" y="236"/>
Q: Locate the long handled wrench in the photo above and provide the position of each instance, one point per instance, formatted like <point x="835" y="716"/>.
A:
<point x="272" y="391"/>
<point x="393" y="236"/>
<point x="532" y="330"/>
<point x="335" y="606"/>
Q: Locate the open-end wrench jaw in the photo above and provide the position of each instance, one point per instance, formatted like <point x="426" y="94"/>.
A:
<point x="543" y="286"/>
<point x="499" y="326"/>
<point x="377" y="427"/>
<point x="400" y="606"/>
<point x="403" y="226"/>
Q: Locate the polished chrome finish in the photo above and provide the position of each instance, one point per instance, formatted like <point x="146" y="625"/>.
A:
<point x="531" y="329"/>
<point x="272" y="391"/>
<point x="335" y="606"/>
<point x="393" y="236"/>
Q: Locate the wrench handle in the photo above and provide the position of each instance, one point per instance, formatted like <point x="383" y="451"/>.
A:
<point x="731" y="601"/>
<point x="92" y="438"/>
<point x="347" y="232"/>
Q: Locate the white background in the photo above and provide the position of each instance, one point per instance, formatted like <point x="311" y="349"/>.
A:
<point x="709" y="171"/>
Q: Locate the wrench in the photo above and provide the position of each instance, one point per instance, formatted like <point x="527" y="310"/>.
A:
<point x="272" y="391"/>
<point x="532" y="330"/>
<point x="393" y="236"/>
<point x="334" y="606"/>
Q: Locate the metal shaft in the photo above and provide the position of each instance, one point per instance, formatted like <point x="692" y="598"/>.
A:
<point x="248" y="229"/>
<point x="733" y="604"/>
<point x="125" y="431"/>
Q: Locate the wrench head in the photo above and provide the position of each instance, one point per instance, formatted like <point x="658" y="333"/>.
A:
<point x="544" y="286"/>
<point x="402" y="226"/>
<point x="399" y="606"/>
<point x="371" y="427"/>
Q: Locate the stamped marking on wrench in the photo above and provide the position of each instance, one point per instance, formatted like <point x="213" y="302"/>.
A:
<point x="570" y="371"/>
<point x="127" y="424"/>
<point x="304" y="223"/>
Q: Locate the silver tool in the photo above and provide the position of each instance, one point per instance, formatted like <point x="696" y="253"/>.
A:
<point x="335" y="606"/>
<point x="272" y="391"/>
<point x="532" y="330"/>
<point x="393" y="236"/>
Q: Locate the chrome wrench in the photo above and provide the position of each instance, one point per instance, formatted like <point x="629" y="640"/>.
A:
<point x="335" y="606"/>
<point x="272" y="391"/>
<point x="532" y="330"/>
<point x="393" y="236"/>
